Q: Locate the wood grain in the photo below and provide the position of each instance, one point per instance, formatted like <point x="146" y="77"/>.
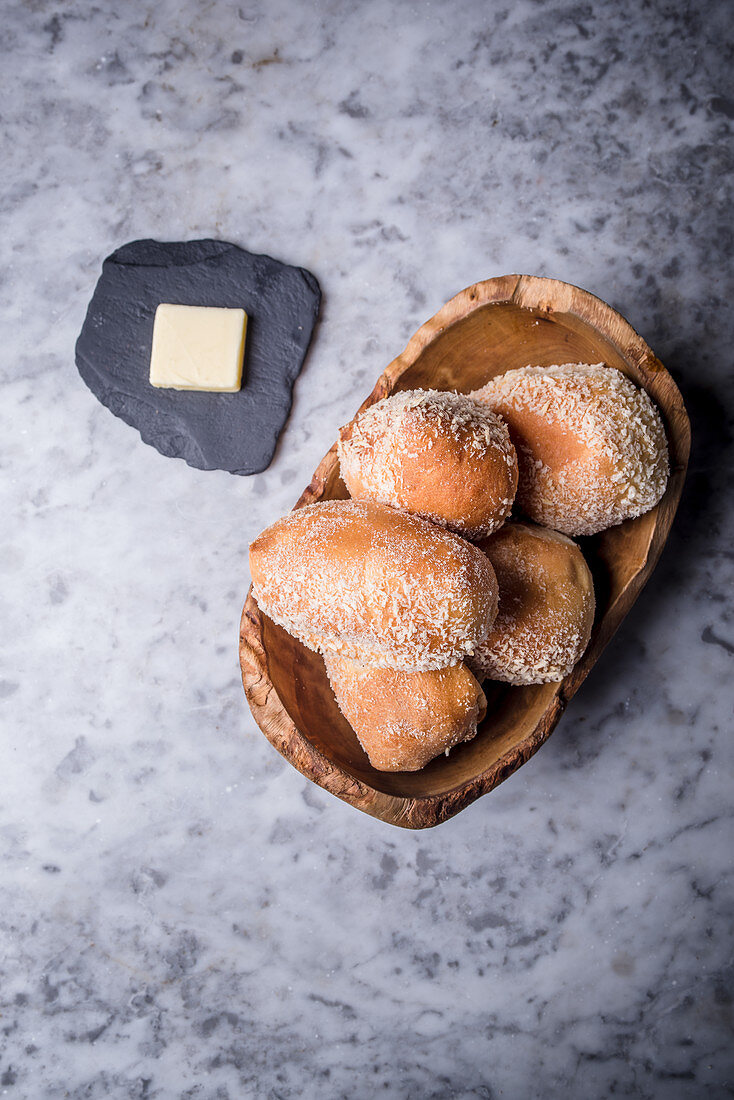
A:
<point x="493" y="326"/>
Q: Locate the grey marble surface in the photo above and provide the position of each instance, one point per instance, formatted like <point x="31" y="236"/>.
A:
<point x="182" y="914"/>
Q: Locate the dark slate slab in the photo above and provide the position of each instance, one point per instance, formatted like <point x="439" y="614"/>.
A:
<point x="211" y="431"/>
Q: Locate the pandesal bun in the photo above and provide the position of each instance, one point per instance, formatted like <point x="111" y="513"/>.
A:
<point x="377" y="585"/>
<point x="404" y="719"/>
<point x="591" y="446"/>
<point x="435" y="453"/>
<point x="546" y="606"/>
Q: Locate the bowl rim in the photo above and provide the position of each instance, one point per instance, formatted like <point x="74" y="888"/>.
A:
<point x="415" y="812"/>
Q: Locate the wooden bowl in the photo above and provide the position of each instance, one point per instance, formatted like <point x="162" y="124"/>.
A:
<point x="494" y="326"/>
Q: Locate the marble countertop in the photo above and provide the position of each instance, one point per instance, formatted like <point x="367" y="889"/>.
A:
<point x="183" y="914"/>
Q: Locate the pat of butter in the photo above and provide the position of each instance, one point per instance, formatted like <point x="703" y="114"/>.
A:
<point x="198" y="348"/>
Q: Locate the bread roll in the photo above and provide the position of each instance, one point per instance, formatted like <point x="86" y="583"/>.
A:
<point x="404" y="719"/>
<point x="591" y="446"/>
<point x="546" y="608"/>
<point x="437" y="454"/>
<point x="380" y="586"/>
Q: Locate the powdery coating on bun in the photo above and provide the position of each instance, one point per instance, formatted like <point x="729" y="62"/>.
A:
<point x="591" y="445"/>
<point x="368" y="582"/>
<point x="438" y="454"/>
<point x="404" y="719"/>
<point x="546" y="608"/>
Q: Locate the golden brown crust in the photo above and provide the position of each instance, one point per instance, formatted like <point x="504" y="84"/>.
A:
<point x="546" y="608"/>
<point x="435" y="453"/>
<point x="591" y="446"/>
<point x="368" y="582"/>
<point x="404" y="719"/>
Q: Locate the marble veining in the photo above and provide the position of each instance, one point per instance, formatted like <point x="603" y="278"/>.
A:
<point x="183" y="915"/>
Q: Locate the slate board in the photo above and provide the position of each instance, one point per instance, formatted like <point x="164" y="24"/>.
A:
<point x="211" y="431"/>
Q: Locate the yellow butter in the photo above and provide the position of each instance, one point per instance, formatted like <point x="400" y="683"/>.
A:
<point x="198" y="348"/>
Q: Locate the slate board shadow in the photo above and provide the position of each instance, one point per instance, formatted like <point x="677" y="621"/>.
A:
<point x="239" y="431"/>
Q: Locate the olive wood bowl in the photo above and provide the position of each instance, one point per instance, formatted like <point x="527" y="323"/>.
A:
<point x="487" y="329"/>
